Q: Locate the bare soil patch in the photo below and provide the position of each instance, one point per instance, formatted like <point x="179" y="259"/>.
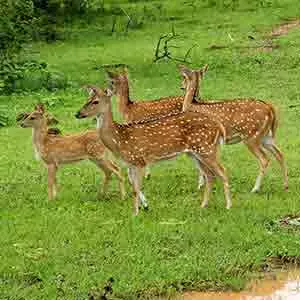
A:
<point x="279" y="280"/>
<point x="284" y="28"/>
<point x="266" y="45"/>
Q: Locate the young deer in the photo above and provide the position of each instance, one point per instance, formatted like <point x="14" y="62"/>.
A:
<point x="250" y="121"/>
<point x="146" y="110"/>
<point x="56" y="150"/>
<point x="142" y="143"/>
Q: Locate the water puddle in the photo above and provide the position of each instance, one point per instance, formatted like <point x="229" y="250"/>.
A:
<point x="284" y="285"/>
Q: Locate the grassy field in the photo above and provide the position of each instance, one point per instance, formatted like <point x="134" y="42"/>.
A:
<point x="65" y="249"/>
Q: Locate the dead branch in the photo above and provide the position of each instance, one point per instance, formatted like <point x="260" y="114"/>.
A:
<point x="164" y="51"/>
<point x="156" y="55"/>
<point x="188" y="52"/>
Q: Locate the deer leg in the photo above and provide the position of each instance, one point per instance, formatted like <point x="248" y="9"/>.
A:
<point x="208" y="181"/>
<point x="108" y="167"/>
<point x="269" y="144"/>
<point x="208" y="186"/>
<point x="215" y="167"/>
<point x="147" y="172"/>
<point x="201" y="178"/>
<point x="260" y="154"/>
<point x="51" y="181"/>
<point x="136" y="175"/>
<point x="209" y="178"/>
<point x="129" y="176"/>
<point x="142" y="198"/>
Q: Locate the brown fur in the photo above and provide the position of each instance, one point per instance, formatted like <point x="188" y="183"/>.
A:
<point x="145" y="110"/>
<point x="55" y="149"/>
<point x="243" y="119"/>
<point x="253" y="122"/>
<point x="142" y="143"/>
<point x="142" y="110"/>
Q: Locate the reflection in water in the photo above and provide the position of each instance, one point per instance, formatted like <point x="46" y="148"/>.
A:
<point x="284" y="286"/>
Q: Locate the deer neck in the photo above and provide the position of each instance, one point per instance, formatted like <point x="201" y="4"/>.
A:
<point x="39" y="134"/>
<point x="190" y="94"/>
<point x="108" y="131"/>
<point x="123" y="97"/>
<point x="196" y="86"/>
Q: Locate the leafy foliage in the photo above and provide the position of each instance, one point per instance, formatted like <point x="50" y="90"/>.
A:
<point x="3" y="118"/>
<point x="15" y="29"/>
<point x="20" y="22"/>
<point x="15" y="25"/>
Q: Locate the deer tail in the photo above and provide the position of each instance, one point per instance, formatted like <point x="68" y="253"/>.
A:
<point x="274" y="119"/>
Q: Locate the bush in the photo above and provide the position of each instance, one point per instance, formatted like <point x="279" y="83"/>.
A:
<point x="20" y="22"/>
<point x="15" y="25"/>
<point x="15" y="29"/>
<point x="3" y="118"/>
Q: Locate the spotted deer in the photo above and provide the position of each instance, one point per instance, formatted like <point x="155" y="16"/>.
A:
<point x="142" y="143"/>
<point x="55" y="149"/>
<point x="145" y="110"/>
<point x="51" y="120"/>
<point x="253" y="122"/>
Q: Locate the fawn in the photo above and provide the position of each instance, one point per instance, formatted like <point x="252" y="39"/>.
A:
<point x="142" y="143"/>
<point x="253" y="122"/>
<point x="145" y="110"/>
<point x="56" y="150"/>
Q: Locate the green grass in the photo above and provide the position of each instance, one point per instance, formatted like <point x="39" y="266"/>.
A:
<point x="65" y="248"/>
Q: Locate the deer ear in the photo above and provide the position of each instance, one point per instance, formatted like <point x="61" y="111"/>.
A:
<point x="203" y="70"/>
<point x="40" y="108"/>
<point x="21" y="116"/>
<point x="92" y="90"/>
<point x="185" y="71"/>
<point x="108" y="92"/>
<point x="51" y="120"/>
<point x="124" y="71"/>
<point x="110" y="74"/>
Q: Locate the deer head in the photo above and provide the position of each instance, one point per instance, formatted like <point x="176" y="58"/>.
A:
<point x="186" y="74"/>
<point x="191" y="80"/>
<point x="51" y="120"/>
<point x="35" y="118"/>
<point x="117" y="80"/>
<point x="97" y="104"/>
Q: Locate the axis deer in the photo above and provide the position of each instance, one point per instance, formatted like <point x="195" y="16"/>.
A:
<point x="253" y="122"/>
<point x="51" y="120"/>
<point x="145" y="142"/>
<point x="146" y="110"/>
<point x="143" y="110"/>
<point x="56" y="150"/>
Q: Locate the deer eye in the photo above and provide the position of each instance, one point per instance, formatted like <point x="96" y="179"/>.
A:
<point x="96" y="102"/>
<point x="31" y="118"/>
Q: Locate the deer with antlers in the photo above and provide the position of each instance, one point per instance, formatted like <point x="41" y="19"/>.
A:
<point x="142" y="143"/>
<point x="145" y="110"/>
<point x="55" y="149"/>
<point x="253" y="122"/>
